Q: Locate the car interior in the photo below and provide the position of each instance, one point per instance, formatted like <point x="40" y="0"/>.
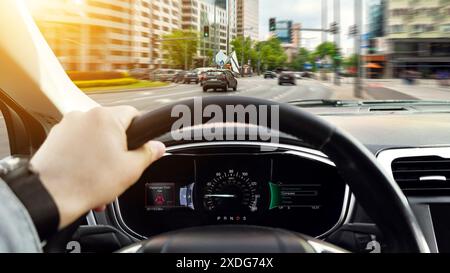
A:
<point x="342" y="176"/>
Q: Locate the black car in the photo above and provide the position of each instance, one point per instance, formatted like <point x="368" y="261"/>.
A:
<point x="219" y="79"/>
<point x="191" y="76"/>
<point x="270" y="75"/>
<point x="287" y="78"/>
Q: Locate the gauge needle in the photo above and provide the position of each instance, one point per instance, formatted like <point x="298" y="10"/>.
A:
<point x="220" y="195"/>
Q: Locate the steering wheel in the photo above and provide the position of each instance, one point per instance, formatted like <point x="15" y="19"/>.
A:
<point x="379" y="195"/>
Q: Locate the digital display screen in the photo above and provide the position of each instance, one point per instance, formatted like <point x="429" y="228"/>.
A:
<point x="160" y="196"/>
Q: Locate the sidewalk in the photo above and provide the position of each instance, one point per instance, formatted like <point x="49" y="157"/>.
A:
<point x="345" y="91"/>
<point x="423" y="90"/>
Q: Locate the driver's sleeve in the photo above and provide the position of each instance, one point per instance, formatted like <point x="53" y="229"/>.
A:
<point x="17" y="230"/>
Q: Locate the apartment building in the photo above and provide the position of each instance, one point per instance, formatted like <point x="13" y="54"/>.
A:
<point x="248" y="18"/>
<point x="165" y="16"/>
<point x="88" y="35"/>
<point x="418" y="32"/>
<point x="95" y="34"/>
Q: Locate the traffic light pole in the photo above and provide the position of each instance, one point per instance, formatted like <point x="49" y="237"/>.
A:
<point x="358" y="28"/>
<point x="337" y="38"/>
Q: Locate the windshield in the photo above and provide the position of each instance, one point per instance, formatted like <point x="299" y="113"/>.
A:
<point x="347" y="50"/>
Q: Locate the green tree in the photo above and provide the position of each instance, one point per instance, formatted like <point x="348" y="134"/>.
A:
<point x="351" y="61"/>
<point x="303" y="57"/>
<point x="271" y="53"/>
<point x="241" y="45"/>
<point x="180" y="47"/>
<point x="330" y="50"/>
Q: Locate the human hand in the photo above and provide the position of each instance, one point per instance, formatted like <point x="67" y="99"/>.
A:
<point x="85" y="163"/>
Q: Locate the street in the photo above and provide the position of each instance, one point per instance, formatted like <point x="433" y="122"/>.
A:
<point x="251" y="87"/>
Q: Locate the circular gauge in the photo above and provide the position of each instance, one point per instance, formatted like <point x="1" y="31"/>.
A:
<point x="231" y="191"/>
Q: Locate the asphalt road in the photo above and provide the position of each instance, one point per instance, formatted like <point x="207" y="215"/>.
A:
<point x="146" y="100"/>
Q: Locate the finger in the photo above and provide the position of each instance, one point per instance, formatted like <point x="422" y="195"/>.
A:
<point x="100" y="209"/>
<point x="147" y="154"/>
<point x="124" y="114"/>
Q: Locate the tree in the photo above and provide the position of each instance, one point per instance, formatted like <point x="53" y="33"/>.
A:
<point x="303" y="57"/>
<point x="351" y="61"/>
<point x="180" y="47"/>
<point x="246" y="46"/>
<point x="272" y="54"/>
<point x="328" y="49"/>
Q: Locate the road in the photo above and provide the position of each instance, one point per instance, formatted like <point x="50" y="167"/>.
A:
<point x="251" y="87"/>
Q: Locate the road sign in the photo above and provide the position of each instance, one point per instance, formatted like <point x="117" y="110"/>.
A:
<point x="307" y="66"/>
<point x="221" y="58"/>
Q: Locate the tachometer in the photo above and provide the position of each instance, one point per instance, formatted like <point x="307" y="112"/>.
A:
<point x="231" y="191"/>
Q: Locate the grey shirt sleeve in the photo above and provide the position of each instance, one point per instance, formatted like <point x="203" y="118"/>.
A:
<point x="17" y="231"/>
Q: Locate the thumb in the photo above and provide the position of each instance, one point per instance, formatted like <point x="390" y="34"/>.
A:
<point x="147" y="154"/>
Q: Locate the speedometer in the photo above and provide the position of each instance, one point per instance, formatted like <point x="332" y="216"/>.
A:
<point x="231" y="191"/>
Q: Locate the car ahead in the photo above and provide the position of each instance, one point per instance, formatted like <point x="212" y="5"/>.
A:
<point x="164" y="75"/>
<point x="307" y="74"/>
<point x="191" y="76"/>
<point x="287" y="77"/>
<point x="270" y="75"/>
<point x="219" y="79"/>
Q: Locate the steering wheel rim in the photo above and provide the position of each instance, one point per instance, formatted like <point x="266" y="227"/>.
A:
<point x="376" y="192"/>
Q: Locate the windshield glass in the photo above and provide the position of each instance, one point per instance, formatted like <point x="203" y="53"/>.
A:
<point x="335" y="50"/>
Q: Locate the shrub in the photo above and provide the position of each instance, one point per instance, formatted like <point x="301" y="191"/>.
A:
<point x="100" y="83"/>
<point x="96" y="75"/>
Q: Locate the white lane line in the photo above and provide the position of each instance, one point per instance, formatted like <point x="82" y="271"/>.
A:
<point x="153" y="97"/>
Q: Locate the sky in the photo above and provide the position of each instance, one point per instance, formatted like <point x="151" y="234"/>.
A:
<point x="308" y="13"/>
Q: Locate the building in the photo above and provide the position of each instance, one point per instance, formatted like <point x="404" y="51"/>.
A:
<point x="165" y="16"/>
<point x="297" y="35"/>
<point x="219" y="15"/>
<point x="284" y="31"/>
<point x="89" y="35"/>
<point x="289" y="35"/>
<point x="248" y="19"/>
<point x="376" y="19"/>
<point x="374" y="58"/>
<point x="95" y="34"/>
<point x="418" y="34"/>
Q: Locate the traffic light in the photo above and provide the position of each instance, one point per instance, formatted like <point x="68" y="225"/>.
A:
<point x="206" y="31"/>
<point x="272" y="24"/>
<point x="334" y="28"/>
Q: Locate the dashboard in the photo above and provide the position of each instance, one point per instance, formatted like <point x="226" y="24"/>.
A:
<point x="281" y="186"/>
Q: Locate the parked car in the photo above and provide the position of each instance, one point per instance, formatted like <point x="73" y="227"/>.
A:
<point x="191" y="76"/>
<point x="287" y="77"/>
<point x="219" y="79"/>
<point x="202" y="77"/>
<point x="164" y="75"/>
<point x="179" y="76"/>
<point x="270" y="74"/>
<point x="140" y="73"/>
